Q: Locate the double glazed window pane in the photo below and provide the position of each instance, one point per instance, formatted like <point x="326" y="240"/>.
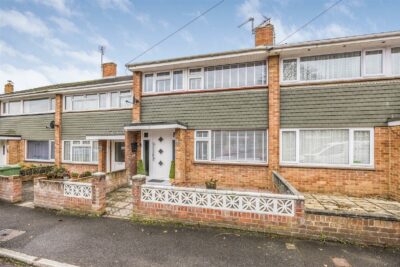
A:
<point x="334" y="66"/>
<point x="148" y="83"/>
<point x="201" y="150"/>
<point x="396" y="60"/>
<point x="163" y="82"/>
<point x="374" y="62"/>
<point x="178" y="80"/>
<point x="38" y="150"/>
<point x="289" y="146"/>
<point x="81" y="154"/>
<point x="361" y="147"/>
<point x="125" y="99"/>
<point x="119" y="152"/>
<point x="194" y="83"/>
<point x="36" y="106"/>
<point x="324" y="146"/>
<point x="14" y="107"/>
<point x="289" y="70"/>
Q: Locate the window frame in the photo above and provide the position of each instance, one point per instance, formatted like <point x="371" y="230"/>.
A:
<point x="297" y="69"/>
<point x="91" y="162"/>
<point x="390" y="57"/>
<point x="199" y="75"/>
<point x="40" y="160"/>
<point x="6" y="105"/>
<point x="238" y="162"/>
<point x="364" y="65"/>
<point x="323" y="165"/>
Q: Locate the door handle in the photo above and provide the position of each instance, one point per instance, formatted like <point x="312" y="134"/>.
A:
<point x="152" y="151"/>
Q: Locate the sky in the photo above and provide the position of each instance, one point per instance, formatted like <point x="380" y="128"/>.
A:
<point x="45" y="42"/>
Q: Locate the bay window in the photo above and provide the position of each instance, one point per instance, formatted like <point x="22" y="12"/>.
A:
<point x="39" y="150"/>
<point x="373" y="62"/>
<point x="395" y="56"/>
<point x="231" y="146"/>
<point x="80" y="151"/>
<point x="327" y="147"/>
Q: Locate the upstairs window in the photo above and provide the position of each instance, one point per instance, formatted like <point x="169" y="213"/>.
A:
<point x="178" y="80"/>
<point x="12" y="108"/>
<point x="148" y="83"/>
<point x="289" y="70"/>
<point x="373" y="62"/>
<point x="119" y="99"/>
<point x="328" y="67"/>
<point x="395" y="54"/>
<point x="195" y="79"/>
<point x="37" y="105"/>
<point x="163" y="82"/>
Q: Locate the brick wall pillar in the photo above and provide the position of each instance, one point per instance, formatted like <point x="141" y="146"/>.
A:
<point x="137" y="94"/>
<point x="394" y="176"/>
<point x="99" y="193"/>
<point x="180" y="152"/>
<point x="273" y="113"/>
<point x="102" y="161"/>
<point x="57" y="131"/>
<point x="131" y="157"/>
<point x="11" y="188"/>
<point x="14" y="151"/>
<point x="137" y="183"/>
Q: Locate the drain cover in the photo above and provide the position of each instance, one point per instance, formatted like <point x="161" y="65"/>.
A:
<point x="8" y="234"/>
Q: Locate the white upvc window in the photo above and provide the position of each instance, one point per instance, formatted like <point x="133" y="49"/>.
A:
<point x="352" y="147"/>
<point x="373" y="62"/>
<point x="40" y="150"/>
<point x="195" y="79"/>
<point x="80" y="151"/>
<point x="289" y="69"/>
<point x="395" y="60"/>
<point x="29" y="106"/>
<point x="163" y="82"/>
<point x="148" y="83"/>
<point x="177" y="80"/>
<point x="242" y="146"/>
<point x="106" y="100"/>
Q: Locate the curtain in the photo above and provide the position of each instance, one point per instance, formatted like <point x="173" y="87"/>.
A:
<point x="373" y="62"/>
<point x="81" y="154"/>
<point x="67" y="150"/>
<point x="288" y="146"/>
<point x="361" y="147"/>
<point x="324" y="146"/>
<point x="38" y="150"/>
<point x="334" y="66"/>
<point x="290" y="70"/>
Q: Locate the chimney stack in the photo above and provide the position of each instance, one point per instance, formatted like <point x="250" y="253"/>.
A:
<point x="109" y="69"/>
<point x="265" y="34"/>
<point x="9" y="87"/>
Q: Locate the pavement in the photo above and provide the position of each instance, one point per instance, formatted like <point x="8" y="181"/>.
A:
<point x="99" y="241"/>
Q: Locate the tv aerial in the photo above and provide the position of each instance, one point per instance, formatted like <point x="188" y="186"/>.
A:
<point x="265" y="21"/>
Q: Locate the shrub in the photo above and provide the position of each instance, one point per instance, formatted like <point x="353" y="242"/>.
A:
<point x="211" y="184"/>
<point x="140" y="168"/>
<point x="172" y="170"/>
<point x="58" y="173"/>
<point x="85" y="174"/>
<point x="74" y="175"/>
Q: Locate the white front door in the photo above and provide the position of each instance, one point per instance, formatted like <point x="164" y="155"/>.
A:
<point x="3" y="153"/>
<point x="117" y="155"/>
<point x="161" y="149"/>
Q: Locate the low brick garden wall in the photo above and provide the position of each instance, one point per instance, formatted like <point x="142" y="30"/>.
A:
<point x="11" y="188"/>
<point x="86" y="195"/>
<point x="116" y="179"/>
<point x="282" y="213"/>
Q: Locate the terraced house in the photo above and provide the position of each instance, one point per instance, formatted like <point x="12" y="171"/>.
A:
<point x="325" y="114"/>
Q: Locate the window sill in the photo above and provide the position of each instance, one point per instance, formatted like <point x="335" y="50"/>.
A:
<point x="95" y="110"/>
<point x="261" y="164"/>
<point x="337" y="167"/>
<point x="39" y="160"/>
<point x="27" y="114"/>
<point x="80" y="163"/>
<point x="328" y="82"/>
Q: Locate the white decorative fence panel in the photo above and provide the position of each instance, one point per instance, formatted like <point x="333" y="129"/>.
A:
<point x="79" y="190"/>
<point x="264" y="203"/>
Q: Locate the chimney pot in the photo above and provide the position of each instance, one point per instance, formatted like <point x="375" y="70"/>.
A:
<point x="109" y="69"/>
<point x="9" y="87"/>
<point x="265" y="35"/>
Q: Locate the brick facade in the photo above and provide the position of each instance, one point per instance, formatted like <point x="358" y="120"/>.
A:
<point x="11" y="188"/>
<point x="394" y="157"/>
<point x="264" y="35"/>
<point x="109" y="69"/>
<point x="273" y="113"/>
<point x="58" y="130"/>
<point x="80" y="168"/>
<point x="137" y="93"/>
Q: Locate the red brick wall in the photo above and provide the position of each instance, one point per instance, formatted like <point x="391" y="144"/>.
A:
<point x="58" y="131"/>
<point x="273" y="113"/>
<point x="228" y="175"/>
<point x="264" y="35"/>
<point x="115" y="180"/>
<point x="109" y="70"/>
<point x="137" y="92"/>
<point x="395" y="162"/>
<point x="10" y="188"/>
<point x="80" y="168"/>
<point x="346" y="181"/>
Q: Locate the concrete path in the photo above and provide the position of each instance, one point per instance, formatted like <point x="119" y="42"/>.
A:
<point x="103" y="241"/>
<point x="119" y="203"/>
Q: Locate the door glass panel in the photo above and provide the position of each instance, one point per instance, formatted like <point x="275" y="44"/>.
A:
<point x="146" y="155"/>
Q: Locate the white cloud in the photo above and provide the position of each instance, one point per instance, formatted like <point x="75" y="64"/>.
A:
<point x="65" y="25"/>
<point x="123" y="5"/>
<point x="12" y="52"/>
<point x="143" y="18"/>
<point x="100" y="40"/>
<point x="90" y="58"/>
<point x="25" y="22"/>
<point x="59" y="5"/>
<point x="22" y="78"/>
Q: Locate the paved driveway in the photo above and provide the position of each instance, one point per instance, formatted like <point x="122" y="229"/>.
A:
<point x="113" y="242"/>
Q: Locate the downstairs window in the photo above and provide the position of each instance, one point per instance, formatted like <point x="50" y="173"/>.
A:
<point x="80" y="151"/>
<point x="39" y="150"/>
<point x="327" y="147"/>
<point x="231" y="146"/>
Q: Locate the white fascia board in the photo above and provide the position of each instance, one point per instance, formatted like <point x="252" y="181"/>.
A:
<point x="394" y="123"/>
<point x="10" y="138"/>
<point x="154" y="127"/>
<point x="105" y="137"/>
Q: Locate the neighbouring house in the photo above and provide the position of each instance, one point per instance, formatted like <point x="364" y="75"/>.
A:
<point x="325" y="114"/>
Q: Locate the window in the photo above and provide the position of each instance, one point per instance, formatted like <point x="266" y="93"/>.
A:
<point x="40" y="150"/>
<point x="52" y="104"/>
<point x="260" y="73"/>
<point x="117" y="99"/>
<point x="163" y="82"/>
<point x="327" y="147"/>
<point x="178" y="80"/>
<point x="148" y="83"/>
<point x="231" y="146"/>
<point x="289" y="70"/>
<point x="195" y="79"/>
<point x="80" y="151"/>
<point x="119" y="152"/>
<point x="373" y="62"/>
<point x="202" y="144"/>
<point x="395" y="60"/>
<point x="334" y="66"/>
<point x="209" y="76"/>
